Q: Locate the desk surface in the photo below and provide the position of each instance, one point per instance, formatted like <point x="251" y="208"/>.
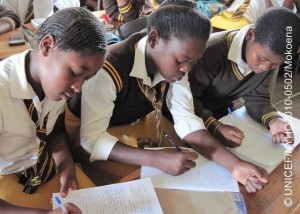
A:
<point x="6" y="50"/>
<point x="269" y="200"/>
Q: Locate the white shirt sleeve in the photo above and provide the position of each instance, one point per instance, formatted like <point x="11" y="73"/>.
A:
<point x="97" y="106"/>
<point x="181" y="105"/>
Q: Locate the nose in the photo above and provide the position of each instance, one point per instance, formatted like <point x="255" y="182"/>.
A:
<point x="186" y="68"/>
<point x="266" y="66"/>
<point x="77" y="85"/>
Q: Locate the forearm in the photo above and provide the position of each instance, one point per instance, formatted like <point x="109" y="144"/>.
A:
<point x="59" y="148"/>
<point x="131" y="155"/>
<point x="209" y="147"/>
<point x="4" y="26"/>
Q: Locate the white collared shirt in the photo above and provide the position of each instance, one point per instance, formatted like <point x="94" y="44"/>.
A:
<point x="19" y="143"/>
<point x="41" y="8"/>
<point x="235" y="51"/>
<point x="97" y="104"/>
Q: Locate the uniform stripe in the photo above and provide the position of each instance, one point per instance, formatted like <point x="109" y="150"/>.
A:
<point x="114" y="75"/>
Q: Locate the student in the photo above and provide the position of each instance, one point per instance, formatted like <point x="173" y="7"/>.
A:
<point x="39" y="9"/>
<point x="127" y="10"/>
<point x="249" y="11"/>
<point x="8" y="19"/>
<point x="176" y="39"/>
<point x="65" y="55"/>
<point x="239" y="64"/>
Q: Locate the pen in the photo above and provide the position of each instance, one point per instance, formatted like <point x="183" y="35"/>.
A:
<point x="230" y="113"/>
<point x="171" y="141"/>
<point x="61" y="206"/>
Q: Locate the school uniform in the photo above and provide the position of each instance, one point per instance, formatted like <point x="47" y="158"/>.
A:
<point x="41" y="8"/>
<point x="9" y="17"/>
<point x="113" y="96"/>
<point x="130" y="11"/>
<point x="19" y="143"/>
<point x="222" y="76"/>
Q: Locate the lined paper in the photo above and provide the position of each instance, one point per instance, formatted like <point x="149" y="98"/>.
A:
<point x="206" y="176"/>
<point x="129" y="197"/>
<point x="257" y="147"/>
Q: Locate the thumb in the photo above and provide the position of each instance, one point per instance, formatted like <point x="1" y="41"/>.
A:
<point x="261" y="174"/>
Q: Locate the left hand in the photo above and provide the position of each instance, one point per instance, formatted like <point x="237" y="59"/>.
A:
<point x="281" y="131"/>
<point x="253" y="177"/>
<point x="68" y="179"/>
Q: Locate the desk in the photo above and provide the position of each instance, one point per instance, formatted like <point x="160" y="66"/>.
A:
<point x="269" y="200"/>
<point x="6" y="50"/>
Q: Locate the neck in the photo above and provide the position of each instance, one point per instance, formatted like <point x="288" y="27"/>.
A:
<point x="34" y="82"/>
<point x="244" y="50"/>
<point x="150" y="65"/>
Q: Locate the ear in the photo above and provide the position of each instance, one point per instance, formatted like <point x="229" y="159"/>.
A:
<point x="153" y="38"/>
<point x="250" y="35"/>
<point x="46" y="44"/>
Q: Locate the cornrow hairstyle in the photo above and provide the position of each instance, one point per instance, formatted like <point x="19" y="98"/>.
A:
<point x="187" y="3"/>
<point x="74" y="29"/>
<point x="275" y="27"/>
<point x="179" y="22"/>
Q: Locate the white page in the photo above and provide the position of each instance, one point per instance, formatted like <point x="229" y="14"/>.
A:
<point x="206" y="176"/>
<point x="129" y="197"/>
<point x="257" y="147"/>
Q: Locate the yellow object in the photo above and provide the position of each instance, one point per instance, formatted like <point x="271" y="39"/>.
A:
<point x="224" y="21"/>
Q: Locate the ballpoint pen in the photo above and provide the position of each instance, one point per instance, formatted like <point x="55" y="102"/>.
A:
<point x="61" y="206"/>
<point x="230" y="113"/>
<point x="171" y="141"/>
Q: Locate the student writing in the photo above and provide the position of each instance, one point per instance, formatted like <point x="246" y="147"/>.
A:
<point x="34" y="87"/>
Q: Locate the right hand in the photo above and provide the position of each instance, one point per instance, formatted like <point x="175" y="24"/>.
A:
<point x="229" y="135"/>
<point x="173" y="162"/>
<point x="71" y="208"/>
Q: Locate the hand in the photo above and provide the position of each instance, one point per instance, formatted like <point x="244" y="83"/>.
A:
<point x="253" y="177"/>
<point x="68" y="179"/>
<point x="281" y="131"/>
<point x="229" y="135"/>
<point x="71" y="208"/>
<point x="173" y="162"/>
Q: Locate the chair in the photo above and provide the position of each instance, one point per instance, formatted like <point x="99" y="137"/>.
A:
<point x="133" y="26"/>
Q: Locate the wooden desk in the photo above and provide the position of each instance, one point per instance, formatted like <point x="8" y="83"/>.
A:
<point x="269" y="200"/>
<point x="6" y="50"/>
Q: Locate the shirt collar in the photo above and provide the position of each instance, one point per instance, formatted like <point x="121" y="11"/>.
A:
<point x="20" y="88"/>
<point x="139" y="69"/>
<point x="235" y="50"/>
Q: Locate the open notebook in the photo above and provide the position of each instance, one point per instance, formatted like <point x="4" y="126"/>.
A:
<point x="129" y="197"/>
<point x="257" y="147"/>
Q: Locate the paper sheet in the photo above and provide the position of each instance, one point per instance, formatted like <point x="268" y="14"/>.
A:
<point x="130" y="197"/>
<point x="206" y="176"/>
<point x="257" y="146"/>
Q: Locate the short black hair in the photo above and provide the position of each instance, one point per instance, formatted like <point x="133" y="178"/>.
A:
<point x="179" y="22"/>
<point x="275" y="26"/>
<point x="187" y="3"/>
<point x="74" y="29"/>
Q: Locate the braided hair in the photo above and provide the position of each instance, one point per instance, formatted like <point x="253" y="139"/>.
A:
<point x="74" y="29"/>
<point x="179" y="22"/>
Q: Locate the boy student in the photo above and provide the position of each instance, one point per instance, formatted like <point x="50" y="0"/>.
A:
<point x="176" y="39"/>
<point x="239" y="64"/>
<point x="34" y="87"/>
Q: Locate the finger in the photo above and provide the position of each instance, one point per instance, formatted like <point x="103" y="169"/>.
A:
<point x="249" y="187"/>
<point x="230" y="143"/>
<point x="189" y="164"/>
<point x="72" y="208"/>
<point x="260" y="174"/>
<point x="256" y="182"/>
<point x="281" y="136"/>
<point x="190" y="155"/>
<point x="239" y="133"/>
<point x="236" y="140"/>
<point x="289" y="137"/>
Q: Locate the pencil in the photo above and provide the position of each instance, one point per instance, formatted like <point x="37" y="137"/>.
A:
<point x="171" y="141"/>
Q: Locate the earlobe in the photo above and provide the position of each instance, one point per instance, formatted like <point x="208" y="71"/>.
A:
<point x="46" y="44"/>
<point x="153" y="38"/>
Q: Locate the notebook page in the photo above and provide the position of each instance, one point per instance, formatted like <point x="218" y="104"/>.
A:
<point x="258" y="145"/>
<point x="206" y="176"/>
<point x="129" y="197"/>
